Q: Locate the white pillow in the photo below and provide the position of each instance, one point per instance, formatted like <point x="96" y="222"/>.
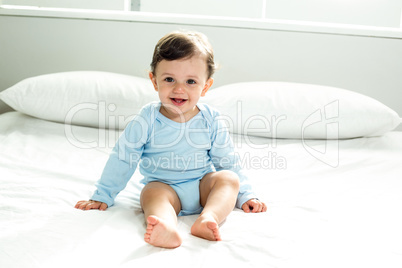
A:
<point x="88" y="98"/>
<point x="292" y="110"/>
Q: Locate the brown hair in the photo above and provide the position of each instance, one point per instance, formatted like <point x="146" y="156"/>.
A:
<point x="182" y="45"/>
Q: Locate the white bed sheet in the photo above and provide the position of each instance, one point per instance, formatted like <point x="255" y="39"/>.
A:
<point x="318" y="216"/>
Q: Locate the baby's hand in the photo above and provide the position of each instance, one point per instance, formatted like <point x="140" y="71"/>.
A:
<point x="254" y="205"/>
<point x="91" y="204"/>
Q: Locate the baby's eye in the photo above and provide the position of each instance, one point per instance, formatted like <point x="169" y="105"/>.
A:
<point x="191" y="82"/>
<point x="169" y="79"/>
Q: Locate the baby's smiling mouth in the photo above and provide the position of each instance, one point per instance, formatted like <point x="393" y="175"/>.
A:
<point x="178" y="101"/>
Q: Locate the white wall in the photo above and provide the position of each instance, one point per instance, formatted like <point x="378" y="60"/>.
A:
<point x="32" y="46"/>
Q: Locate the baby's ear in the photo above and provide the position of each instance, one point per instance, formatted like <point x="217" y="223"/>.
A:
<point x="207" y="86"/>
<point x="153" y="80"/>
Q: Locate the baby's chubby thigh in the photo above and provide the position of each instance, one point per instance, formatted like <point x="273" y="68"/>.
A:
<point x="189" y="195"/>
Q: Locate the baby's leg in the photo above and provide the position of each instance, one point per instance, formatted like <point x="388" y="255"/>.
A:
<point x="218" y="194"/>
<point x="161" y="206"/>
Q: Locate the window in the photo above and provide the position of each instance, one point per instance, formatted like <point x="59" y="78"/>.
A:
<point x="226" y="8"/>
<point x="77" y="4"/>
<point x="382" y="13"/>
<point x="379" y="13"/>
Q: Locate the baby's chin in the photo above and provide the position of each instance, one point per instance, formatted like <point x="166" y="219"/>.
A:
<point x="179" y="114"/>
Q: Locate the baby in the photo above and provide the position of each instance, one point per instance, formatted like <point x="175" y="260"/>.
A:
<point x="183" y="150"/>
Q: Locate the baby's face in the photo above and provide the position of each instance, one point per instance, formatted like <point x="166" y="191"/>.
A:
<point x="180" y="84"/>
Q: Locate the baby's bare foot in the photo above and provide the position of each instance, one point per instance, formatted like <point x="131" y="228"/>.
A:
<point x="207" y="228"/>
<point x="161" y="234"/>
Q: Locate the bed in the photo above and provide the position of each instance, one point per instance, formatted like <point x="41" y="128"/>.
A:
<point x="333" y="187"/>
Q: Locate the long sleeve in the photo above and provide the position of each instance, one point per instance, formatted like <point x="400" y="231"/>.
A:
<point x="224" y="158"/>
<point x="122" y="161"/>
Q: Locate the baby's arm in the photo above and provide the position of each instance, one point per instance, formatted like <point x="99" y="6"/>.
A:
<point x="224" y="158"/>
<point x="120" y="166"/>
<point x="91" y="204"/>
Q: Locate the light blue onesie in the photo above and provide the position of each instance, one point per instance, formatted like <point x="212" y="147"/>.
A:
<point x="178" y="154"/>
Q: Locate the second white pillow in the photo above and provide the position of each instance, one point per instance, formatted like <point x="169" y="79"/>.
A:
<point x="300" y="111"/>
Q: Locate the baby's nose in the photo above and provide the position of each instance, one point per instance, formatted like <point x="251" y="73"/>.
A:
<point x="179" y="88"/>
